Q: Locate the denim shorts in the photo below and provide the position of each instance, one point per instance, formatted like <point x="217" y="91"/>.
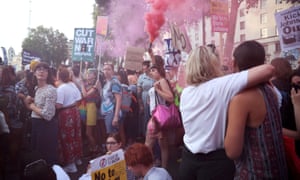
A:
<point x="108" y="118"/>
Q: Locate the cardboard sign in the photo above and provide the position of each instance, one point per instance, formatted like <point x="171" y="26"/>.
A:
<point x="180" y="39"/>
<point x="109" y="167"/>
<point x="288" y="25"/>
<point x="84" y="44"/>
<point x="134" y="58"/>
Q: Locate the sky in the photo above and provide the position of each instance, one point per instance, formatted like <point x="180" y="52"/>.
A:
<point x="61" y="15"/>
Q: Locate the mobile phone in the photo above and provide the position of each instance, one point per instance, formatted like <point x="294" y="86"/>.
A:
<point x="296" y="87"/>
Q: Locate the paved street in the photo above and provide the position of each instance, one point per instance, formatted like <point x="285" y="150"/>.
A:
<point x="12" y="173"/>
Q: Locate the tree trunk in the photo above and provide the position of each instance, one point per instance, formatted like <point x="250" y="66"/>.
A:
<point x="231" y="30"/>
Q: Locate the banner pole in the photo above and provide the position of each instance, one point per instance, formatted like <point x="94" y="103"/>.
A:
<point x="99" y="62"/>
<point x="81" y="65"/>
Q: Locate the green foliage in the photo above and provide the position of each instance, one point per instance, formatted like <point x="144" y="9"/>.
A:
<point x="49" y="44"/>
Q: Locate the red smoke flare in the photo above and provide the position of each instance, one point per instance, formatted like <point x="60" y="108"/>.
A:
<point x="155" y="18"/>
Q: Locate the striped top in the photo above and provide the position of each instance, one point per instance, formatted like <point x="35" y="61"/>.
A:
<point x="263" y="155"/>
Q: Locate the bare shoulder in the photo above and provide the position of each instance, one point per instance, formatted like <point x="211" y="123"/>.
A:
<point x="247" y="96"/>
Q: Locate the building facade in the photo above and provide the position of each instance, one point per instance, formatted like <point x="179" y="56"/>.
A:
<point x="251" y="24"/>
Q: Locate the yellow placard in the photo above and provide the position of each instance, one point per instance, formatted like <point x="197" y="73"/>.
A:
<point x="109" y="167"/>
<point x="113" y="172"/>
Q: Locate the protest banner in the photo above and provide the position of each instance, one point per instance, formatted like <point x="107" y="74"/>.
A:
<point x="180" y="39"/>
<point x="134" y="58"/>
<point x="101" y="26"/>
<point x="28" y="56"/>
<point x="109" y="167"/>
<point x="3" y="56"/>
<point x="84" y="44"/>
<point x="219" y="15"/>
<point x="288" y="25"/>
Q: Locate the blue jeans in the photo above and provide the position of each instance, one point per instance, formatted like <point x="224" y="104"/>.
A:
<point x="108" y="118"/>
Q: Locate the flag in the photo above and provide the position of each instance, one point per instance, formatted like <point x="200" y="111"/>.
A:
<point x="101" y="26"/>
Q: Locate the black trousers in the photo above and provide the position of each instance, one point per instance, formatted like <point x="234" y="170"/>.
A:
<point x="213" y="165"/>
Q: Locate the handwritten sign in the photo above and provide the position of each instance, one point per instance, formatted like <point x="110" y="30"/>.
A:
<point x="134" y="58"/>
<point x="84" y="44"/>
<point x="220" y="23"/>
<point x="109" y="167"/>
<point x="180" y="39"/>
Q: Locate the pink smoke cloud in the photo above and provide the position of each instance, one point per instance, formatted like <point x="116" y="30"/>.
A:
<point x="131" y="20"/>
<point x="175" y="11"/>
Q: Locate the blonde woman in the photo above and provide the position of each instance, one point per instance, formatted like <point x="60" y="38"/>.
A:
<point x="203" y="107"/>
<point x="91" y="97"/>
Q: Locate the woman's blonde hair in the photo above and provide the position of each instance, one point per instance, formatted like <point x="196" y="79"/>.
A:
<point x="202" y="66"/>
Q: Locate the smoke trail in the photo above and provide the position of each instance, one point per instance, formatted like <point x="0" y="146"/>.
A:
<point x="126" y="26"/>
<point x="176" y="11"/>
<point x="129" y="19"/>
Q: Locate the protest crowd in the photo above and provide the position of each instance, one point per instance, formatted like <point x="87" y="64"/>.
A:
<point x="239" y="125"/>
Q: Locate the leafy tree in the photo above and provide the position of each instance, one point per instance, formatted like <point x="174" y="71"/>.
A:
<point x="50" y="45"/>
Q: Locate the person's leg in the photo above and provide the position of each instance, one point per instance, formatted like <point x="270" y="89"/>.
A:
<point x="91" y="139"/>
<point x="164" y="149"/>
<point x="91" y="125"/>
<point x="215" y="165"/>
<point x="108" y="118"/>
<point x="149" y="141"/>
<point x="102" y="134"/>
<point x="188" y="168"/>
<point x="122" y="133"/>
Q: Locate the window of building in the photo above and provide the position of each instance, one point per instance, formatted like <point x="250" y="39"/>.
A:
<point x="242" y="37"/>
<point x="242" y="25"/>
<point x="266" y="48"/>
<point x="263" y="4"/>
<point x="212" y="33"/>
<point x="277" y="47"/>
<point x="242" y="12"/>
<point x="264" y="32"/>
<point x="276" y="31"/>
<point x="278" y="10"/>
<point x="264" y="18"/>
<point x="278" y="1"/>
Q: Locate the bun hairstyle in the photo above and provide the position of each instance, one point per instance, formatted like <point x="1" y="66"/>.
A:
<point x="159" y="65"/>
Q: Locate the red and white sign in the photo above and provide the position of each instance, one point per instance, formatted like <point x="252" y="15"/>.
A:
<point x="219" y="15"/>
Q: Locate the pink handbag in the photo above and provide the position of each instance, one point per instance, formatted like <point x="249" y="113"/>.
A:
<point x="167" y="116"/>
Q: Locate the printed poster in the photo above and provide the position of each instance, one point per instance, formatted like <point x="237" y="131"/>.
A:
<point x="84" y="44"/>
<point x="288" y="25"/>
<point x="109" y="167"/>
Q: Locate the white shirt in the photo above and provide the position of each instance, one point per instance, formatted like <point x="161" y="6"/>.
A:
<point x="67" y="94"/>
<point x="60" y="173"/>
<point x="156" y="173"/>
<point x="204" y="111"/>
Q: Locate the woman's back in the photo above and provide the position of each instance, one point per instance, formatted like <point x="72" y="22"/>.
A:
<point x="263" y="151"/>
